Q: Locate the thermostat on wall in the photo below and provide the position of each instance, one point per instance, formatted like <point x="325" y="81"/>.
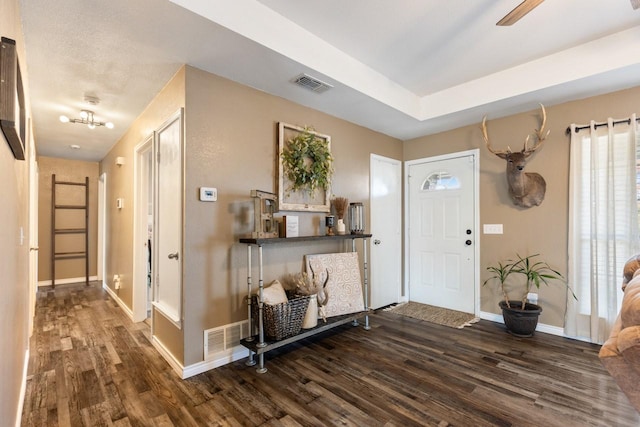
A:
<point x="208" y="194"/>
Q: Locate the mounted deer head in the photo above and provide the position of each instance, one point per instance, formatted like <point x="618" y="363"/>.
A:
<point x="525" y="188"/>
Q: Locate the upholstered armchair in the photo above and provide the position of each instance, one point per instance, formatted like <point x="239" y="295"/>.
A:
<point x="620" y="354"/>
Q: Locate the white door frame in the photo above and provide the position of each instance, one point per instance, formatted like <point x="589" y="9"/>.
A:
<point x="34" y="178"/>
<point x="476" y="220"/>
<point x="398" y="215"/>
<point x="102" y="224"/>
<point x="141" y="198"/>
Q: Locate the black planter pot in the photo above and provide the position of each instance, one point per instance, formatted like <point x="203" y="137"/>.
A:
<point x="519" y="322"/>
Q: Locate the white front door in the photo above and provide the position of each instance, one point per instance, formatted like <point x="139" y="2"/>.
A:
<point x="386" y="214"/>
<point x="168" y="254"/>
<point x="442" y="231"/>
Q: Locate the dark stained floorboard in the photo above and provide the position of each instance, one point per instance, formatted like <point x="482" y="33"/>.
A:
<point x="90" y="366"/>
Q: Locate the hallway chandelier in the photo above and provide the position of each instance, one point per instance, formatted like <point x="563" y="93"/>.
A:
<point x="86" y="118"/>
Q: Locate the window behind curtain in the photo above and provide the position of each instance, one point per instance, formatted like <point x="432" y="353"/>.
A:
<point x="605" y="177"/>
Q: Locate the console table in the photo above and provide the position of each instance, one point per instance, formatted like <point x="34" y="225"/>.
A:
<point x="257" y="344"/>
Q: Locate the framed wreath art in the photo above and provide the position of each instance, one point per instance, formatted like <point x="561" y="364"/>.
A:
<point x="305" y="169"/>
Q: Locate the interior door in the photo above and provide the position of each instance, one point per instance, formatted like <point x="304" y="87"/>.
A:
<point x="386" y="212"/>
<point x="168" y="220"/>
<point x="143" y="168"/>
<point x="441" y="233"/>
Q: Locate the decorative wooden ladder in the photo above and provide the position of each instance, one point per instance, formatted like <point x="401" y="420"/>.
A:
<point x="59" y="256"/>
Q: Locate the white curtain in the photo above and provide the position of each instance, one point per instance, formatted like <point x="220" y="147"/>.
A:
<point x="603" y="224"/>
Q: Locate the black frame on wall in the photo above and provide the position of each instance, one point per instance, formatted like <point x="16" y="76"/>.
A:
<point x="12" y="105"/>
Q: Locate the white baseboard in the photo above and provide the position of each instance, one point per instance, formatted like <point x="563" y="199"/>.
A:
<point x="117" y="299"/>
<point x="23" y="389"/>
<point x="547" y="329"/>
<point x="185" y="372"/>
<point x="222" y="359"/>
<point x="168" y="356"/>
<point x="493" y="317"/>
<point x="67" y="281"/>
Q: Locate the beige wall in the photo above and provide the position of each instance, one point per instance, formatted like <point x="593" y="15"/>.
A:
<point x="231" y="141"/>
<point x="541" y="229"/>
<point x="71" y="171"/>
<point x="14" y="253"/>
<point x="231" y="145"/>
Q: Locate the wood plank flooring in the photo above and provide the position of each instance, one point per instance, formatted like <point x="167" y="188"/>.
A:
<point x="90" y="366"/>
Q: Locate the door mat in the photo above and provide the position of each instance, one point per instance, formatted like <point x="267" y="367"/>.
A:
<point x="439" y="315"/>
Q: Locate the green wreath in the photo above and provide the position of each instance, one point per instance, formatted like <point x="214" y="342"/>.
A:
<point x="307" y="162"/>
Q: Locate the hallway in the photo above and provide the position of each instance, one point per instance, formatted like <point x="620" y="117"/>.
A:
<point x="86" y="361"/>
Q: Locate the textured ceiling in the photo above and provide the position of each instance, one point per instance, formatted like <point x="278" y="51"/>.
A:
<point x="405" y="68"/>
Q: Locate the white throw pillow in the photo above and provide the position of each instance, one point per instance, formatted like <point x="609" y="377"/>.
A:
<point x="274" y="294"/>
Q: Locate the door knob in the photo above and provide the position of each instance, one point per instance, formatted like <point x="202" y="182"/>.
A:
<point x="468" y="231"/>
<point x="468" y="243"/>
<point x="376" y="242"/>
<point x="34" y="249"/>
<point x="174" y="256"/>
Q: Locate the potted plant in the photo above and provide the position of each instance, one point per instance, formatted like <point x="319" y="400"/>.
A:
<point x="520" y="316"/>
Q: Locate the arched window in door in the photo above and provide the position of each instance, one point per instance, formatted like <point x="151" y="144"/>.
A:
<point x="439" y="181"/>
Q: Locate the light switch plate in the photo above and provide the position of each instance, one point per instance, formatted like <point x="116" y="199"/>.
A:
<point x="492" y="228"/>
<point x="208" y="194"/>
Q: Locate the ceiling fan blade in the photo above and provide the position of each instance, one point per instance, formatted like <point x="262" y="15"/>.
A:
<point x="635" y="4"/>
<point x="521" y="10"/>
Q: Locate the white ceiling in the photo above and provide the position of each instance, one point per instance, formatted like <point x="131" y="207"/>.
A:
<point x="405" y="68"/>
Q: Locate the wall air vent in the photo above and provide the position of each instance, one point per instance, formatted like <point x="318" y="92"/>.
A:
<point x="224" y="338"/>
<point x="311" y="83"/>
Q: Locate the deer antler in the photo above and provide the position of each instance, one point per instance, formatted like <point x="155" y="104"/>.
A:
<point x="485" y="135"/>
<point x="540" y="135"/>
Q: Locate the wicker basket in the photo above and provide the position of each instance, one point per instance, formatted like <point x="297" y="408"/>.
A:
<point x="281" y="320"/>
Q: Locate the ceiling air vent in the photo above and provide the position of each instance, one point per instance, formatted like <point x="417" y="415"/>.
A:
<point x="311" y="83"/>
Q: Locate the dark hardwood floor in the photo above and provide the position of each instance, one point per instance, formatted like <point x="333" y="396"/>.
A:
<point x="91" y="366"/>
